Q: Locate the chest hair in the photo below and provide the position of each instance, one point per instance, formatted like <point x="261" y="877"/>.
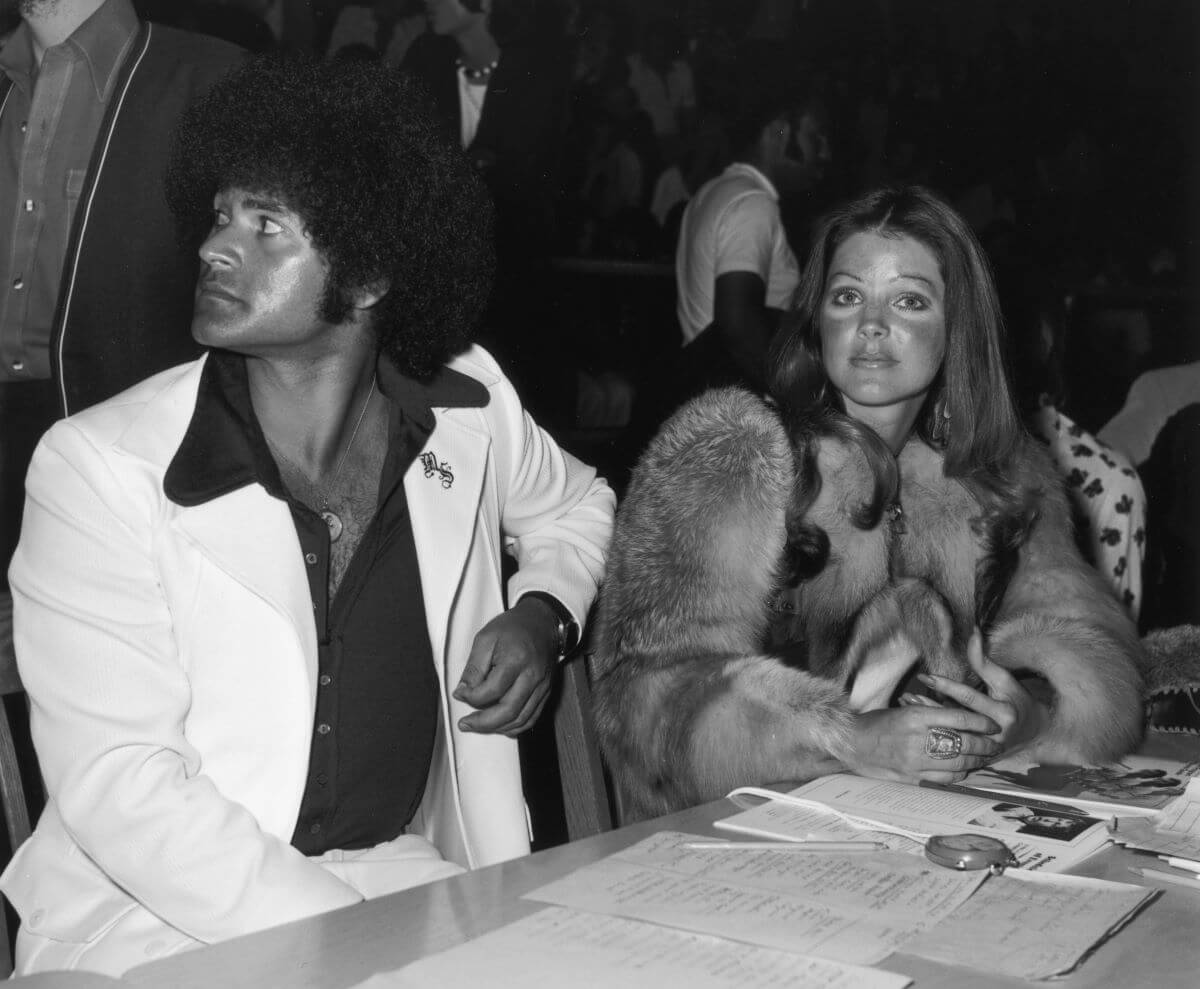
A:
<point x="354" y="496"/>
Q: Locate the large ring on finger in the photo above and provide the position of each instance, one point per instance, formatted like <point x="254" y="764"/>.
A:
<point x="943" y="743"/>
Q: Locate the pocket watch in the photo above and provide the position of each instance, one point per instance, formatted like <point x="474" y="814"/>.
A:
<point x="970" y="851"/>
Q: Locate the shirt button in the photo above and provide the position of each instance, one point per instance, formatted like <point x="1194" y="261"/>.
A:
<point x="28" y="205"/>
<point x="310" y="559"/>
<point x="325" y="680"/>
<point x="24" y="126"/>
<point x="314" y="829"/>
<point x="323" y="729"/>
<point x="322" y="779"/>
<point x="18" y="282"/>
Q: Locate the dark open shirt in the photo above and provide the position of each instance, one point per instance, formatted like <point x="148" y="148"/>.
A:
<point x="377" y="694"/>
<point x="49" y="124"/>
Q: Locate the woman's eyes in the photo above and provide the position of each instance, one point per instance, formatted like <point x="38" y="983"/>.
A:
<point x="912" y="302"/>
<point x="220" y="218"/>
<point x="906" y="302"/>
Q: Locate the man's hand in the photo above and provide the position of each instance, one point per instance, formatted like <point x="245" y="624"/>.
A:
<point x="509" y="670"/>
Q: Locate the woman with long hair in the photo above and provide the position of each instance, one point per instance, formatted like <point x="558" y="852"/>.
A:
<point x="873" y="570"/>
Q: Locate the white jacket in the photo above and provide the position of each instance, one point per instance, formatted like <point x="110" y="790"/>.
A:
<point x="170" y="657"/>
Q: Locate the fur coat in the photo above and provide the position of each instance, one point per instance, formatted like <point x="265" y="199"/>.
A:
<point x="710" y="675"/>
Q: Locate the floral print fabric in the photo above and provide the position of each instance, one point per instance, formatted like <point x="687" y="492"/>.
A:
<point x="1108" y="497"/>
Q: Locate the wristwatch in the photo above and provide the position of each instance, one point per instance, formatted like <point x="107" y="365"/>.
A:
<point x="970" y="851"/>
<point x="568" y="628"/>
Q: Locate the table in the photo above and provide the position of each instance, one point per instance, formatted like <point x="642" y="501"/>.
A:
<point x="1159" y="948"/>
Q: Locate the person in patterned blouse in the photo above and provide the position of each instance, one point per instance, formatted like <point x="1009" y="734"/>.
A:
<point x="1106" y="493"/>
<point x="1108" y="496"/>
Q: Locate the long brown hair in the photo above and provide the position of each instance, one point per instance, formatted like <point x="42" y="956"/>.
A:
<point x="969" y="413"/>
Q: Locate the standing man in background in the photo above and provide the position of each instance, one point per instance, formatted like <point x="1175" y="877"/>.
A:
<point x="95" y="289"/>
<point x="500" y="86"/>
<point x="734" y="269"/>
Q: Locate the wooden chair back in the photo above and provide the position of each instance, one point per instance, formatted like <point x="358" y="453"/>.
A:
<point x="584" y="787"/>
<point x="12" y="790"/>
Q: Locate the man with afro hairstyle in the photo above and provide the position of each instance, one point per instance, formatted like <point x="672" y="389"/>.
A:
<point x="258" y="598"/>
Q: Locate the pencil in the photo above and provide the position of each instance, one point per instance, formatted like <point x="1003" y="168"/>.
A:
<point x="1189" y="865"/>
<point x="785" y="846"/>
<point x="1167" y="877"/>
<point x="1006" y="796"/>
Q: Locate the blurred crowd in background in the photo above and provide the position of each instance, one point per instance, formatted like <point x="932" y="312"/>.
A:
<point x="1060" y="122"/>
<point x="1063" y="131"/>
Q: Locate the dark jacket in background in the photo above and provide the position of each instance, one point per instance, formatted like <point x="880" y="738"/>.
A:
<point x="518" y="144"/>
<point x="516" y="149"/>
<point x="125" y="302"/>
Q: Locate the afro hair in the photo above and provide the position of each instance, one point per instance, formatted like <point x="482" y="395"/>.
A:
<point x="353" y="149"/>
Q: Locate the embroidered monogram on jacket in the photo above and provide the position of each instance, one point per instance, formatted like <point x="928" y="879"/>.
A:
<point x="430" y="462"/>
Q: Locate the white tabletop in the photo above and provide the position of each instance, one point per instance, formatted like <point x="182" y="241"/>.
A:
<point x="1159" y="948"/>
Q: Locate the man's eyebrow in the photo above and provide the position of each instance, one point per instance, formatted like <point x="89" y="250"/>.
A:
<point x="270" y="205"/>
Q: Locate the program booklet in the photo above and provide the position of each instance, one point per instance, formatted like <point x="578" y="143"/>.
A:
<point x="1135" y="786"/>
<point x="846" y="807"/>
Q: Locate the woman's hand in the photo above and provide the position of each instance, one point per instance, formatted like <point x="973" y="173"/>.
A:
<point x="1007" y="703"/>
<point x="917" y="742"/>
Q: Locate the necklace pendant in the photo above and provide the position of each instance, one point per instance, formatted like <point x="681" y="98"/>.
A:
<point x="334" y="523"/>
<point x="896" y="517"/>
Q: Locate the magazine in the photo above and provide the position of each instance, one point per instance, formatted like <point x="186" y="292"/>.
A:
<point x="903" y="816"/>
<point x="1134" y="786"/>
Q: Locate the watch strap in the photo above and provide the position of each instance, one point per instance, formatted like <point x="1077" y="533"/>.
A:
<point x="568" y="628"/>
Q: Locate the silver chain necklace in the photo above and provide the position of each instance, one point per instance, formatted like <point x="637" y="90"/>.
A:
<point x="328" y="515"/>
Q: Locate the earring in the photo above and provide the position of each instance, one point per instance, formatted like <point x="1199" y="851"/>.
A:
<point x="940" y="427"/>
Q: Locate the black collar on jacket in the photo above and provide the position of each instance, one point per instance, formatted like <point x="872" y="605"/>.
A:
<point x="224" y="448"/>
